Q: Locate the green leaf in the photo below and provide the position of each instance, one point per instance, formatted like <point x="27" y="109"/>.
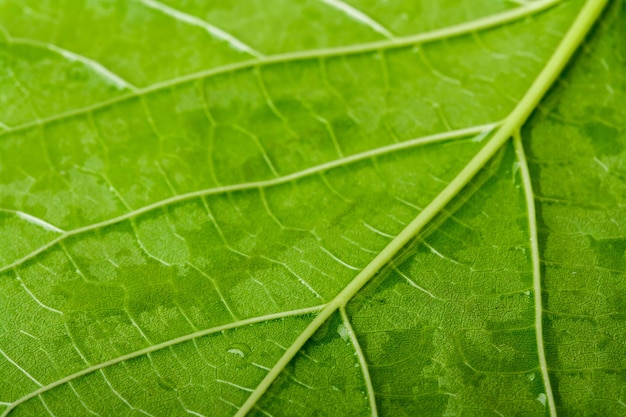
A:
<point x="322" y="207"/>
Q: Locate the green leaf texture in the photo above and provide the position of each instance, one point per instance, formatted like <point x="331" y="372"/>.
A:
<point x="312" y="208"/>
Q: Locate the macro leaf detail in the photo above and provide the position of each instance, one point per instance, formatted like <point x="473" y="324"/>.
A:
<point x="321" y="207"/>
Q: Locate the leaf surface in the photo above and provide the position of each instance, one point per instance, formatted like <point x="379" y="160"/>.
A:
<point x="312" y="208"/>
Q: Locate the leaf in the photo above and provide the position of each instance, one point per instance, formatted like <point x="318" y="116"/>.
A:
<point x="312" y="208"/>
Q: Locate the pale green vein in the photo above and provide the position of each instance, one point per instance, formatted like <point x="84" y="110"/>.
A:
<point x="34" y="297"/>
<point x="359" y="17"/>
<point x="414" y="284"/>
<point x="479" y="131"/>
<point x="574" y="36"/>
<point x="534" y="248"/>
<point x="371" y="395"/>
<point x="154" y="348"/>
<point x="195" y="21"/>
<point x="45" y="405"/>
<point x="97" y="67"/>
<point x="469" y="27"/>
<point x="216" y="287"/>
<point x="35" y="221"/>
<point x="22" y="370"/>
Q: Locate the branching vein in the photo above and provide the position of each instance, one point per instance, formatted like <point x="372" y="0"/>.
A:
<point x="150" y="349"/>
<point x="534" y="248"/>
<point x="435" y="35"/>
<point x="574" y="36"/>
<point x="34" y="220"/>
<point x="103" y="71"/>
<point x="360" y="17"/>
<point x="371" y="395"/>
<point x="211" y="29"/>
<point x="509" y="127"/>
<point x="478" y="131"/>
<point x="24" y="371"/>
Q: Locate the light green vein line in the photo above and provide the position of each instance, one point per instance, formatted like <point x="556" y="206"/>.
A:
<point x="534" y="248"/>
<point x="22" y="370"/>
<point x="480" y="131"/>
<point x="71" y="56"/>
<point x="574" y="36"/>
<point x="359" y="17"/>
<point x="36" y="221"/>
<point x="487" y="22"/>
<point x="371" y="395"/>
<point x="196" y="21"/>
<point x="159" y="346"/>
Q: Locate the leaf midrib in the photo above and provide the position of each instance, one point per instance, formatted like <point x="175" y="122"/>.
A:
<point x="544" y="81"/>
<point x="578" y="30"/>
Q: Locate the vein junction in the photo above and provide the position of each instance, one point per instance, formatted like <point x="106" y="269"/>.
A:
<point x="152" y="348"/>
<point x="476" y="131"/>
<point x="525" y="10"/>
<point x="505" y="130"/>
<point x="575" y="35"/>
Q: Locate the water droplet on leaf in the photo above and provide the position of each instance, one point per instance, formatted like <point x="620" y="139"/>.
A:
<point x="542" y="399"/>
<point x="343" y="332"/>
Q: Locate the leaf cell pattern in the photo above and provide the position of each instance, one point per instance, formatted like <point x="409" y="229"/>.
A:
<point x="323" y="207"/>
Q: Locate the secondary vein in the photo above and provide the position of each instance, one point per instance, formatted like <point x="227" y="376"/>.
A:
<point x="534" y="250"/>
<point x="480" y="131"/>
<point x="574" y="36"/>
<point x="96" y="66"/>
<point x="544" y="81"/>
<point x="154" y="348"/>
<point x="195" y="21"/>
<point x="438" y="34"/>
<point x="371" y="395"/>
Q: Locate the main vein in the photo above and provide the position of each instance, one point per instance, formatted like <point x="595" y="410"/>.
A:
<point x="483" y="23"/>
<point x="574" y="36"/>
<point x="518" y="116"/>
